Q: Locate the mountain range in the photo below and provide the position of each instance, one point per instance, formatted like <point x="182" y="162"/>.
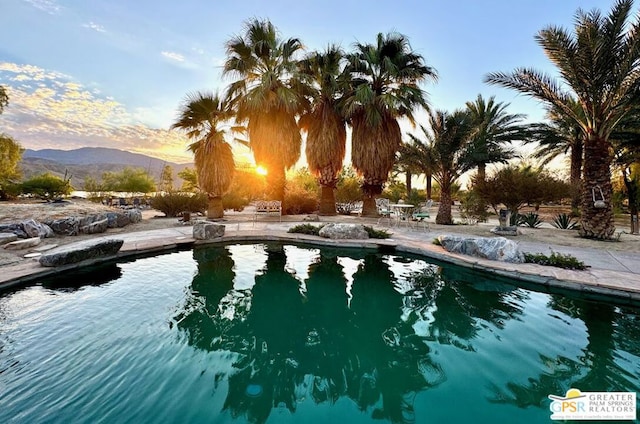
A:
<point x="91" y="162"/>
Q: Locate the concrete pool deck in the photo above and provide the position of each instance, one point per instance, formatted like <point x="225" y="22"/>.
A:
<point x="611" y="273"/>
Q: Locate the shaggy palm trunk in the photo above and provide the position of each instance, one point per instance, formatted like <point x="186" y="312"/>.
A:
<point x="327" y="201"/>
<point x="444" y="216"/>
<point x="328" y="181"/>
<point x="215" y="210"/>
<point x="369" y="207"/>
<point x="276" y="181"/>
<point x="576" y="174"/>
<point x="429" y="185"/>
<point x="597" y="222"/>
<point x="407" y="180"/>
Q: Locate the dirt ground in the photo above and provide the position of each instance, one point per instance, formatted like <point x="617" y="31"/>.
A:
<point x="152" y="219"/>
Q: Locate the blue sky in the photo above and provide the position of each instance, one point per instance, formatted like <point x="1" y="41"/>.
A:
<point x="112" y="73"/>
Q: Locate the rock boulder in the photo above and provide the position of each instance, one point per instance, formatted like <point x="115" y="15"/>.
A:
<point x="96" y="227"/>
<point x="134" y="215"/>
<point x="34" y="228"/>
<point x="77" y="252"/>
<point x="23" y="243"/>
<point x="14" y="229"/>
<point x="117" y="219"/>
<point x="69" y="226"/>
<point x="7" y="237"/>
<point x="344" y="231"/>
<point x="494" y="248"/>
<point x="207" y="230"/>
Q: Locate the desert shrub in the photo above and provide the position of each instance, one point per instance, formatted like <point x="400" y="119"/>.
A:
<point x="235" y="200"/>
<point x="473" y="208"/>
<point x="555" y="259"/>
<point x="564" y="222"/>
<point x="376" y="234"/>
<point x="313" y="230"/>
<point x="416" y="197"/>
<point x="348" y="187"/>
<point x="302" y="194"/>
<point x="394" y="191"/>
<point x="46" y="186"/>
<point x="297" y="201"/>
<point x="130" y="180"/>
<point x="174" y="203"/>
<point x="530" y="219"/>
<point x="302" y="178"/>
<point x="10" y="190"/>
<point x="515" y="186"/>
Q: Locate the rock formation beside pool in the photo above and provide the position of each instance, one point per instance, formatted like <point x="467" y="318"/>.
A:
<point x="494" y="248"/>
<point x="72" y="225"/>
<point x="81" y="251"/>
<point x="207" y="230"/>
<point x="344" y="231"/>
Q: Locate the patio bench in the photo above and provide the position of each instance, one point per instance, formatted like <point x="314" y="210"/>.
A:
<point x="267" y="208"/>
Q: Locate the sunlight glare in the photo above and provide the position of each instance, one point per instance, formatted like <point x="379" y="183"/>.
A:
<point x="261" y="170"/>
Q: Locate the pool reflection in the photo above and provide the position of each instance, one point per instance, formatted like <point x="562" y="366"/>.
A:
<point x="313" y="339"/>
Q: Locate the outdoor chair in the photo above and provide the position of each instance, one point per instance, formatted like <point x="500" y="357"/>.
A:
<point x="423" y="213"/>
<point x="384" y="210"/>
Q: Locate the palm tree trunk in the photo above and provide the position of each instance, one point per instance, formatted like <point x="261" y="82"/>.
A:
<point x="595" y="222"/>
<point x="444" y="216"/>
<point x="407" y="179"/>
<point x="632" y="192"/>
<point x="215" y="210"/>
<point x="369" y="192"/>
<point x="276" y="181"/>
<point x="482" y="172"/>
<point x="429" y="178"/>
<point x="576" y="173"/>
<point x="327" y="201"/>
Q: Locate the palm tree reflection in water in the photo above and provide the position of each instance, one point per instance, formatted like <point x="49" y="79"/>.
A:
<point x="298" y="340"/>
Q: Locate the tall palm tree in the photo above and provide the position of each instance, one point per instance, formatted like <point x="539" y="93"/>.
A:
<point x="324" y="122"/>
<point x="494" y="127"/>
<point x="268" y="95"/>
<point x="561" y="135"/>
<point x="385" y="78"/>
<point x="406" y="163"/>
<point x="450" y="140"/>
<point x="421" y="155"/>
<point x="202" y="116"/>
<point x="600" y="64"/>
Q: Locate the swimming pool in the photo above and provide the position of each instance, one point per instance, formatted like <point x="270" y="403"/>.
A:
<point x="282" y="333"/>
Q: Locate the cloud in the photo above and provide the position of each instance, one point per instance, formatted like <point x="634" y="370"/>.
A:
<point x="50" y="110"/>
<point x="94" y="26"/>
<point x="49" y="6"/>
<point x="173" y="56"/>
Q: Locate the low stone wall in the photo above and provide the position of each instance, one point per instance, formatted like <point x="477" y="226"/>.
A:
<point x="72" y="225"/>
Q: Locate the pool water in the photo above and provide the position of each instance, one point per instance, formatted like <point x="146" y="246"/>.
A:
<point x="272" y="333"/>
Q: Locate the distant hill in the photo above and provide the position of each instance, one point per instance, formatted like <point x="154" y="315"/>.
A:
<point x="92" y="162"/>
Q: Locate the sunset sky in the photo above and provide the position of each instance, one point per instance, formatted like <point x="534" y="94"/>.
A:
<point x="112" y="73"/>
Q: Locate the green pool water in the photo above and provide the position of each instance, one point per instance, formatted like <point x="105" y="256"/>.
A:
<point x="281" y="333"/>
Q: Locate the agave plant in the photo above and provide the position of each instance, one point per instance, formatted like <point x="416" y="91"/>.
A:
<point x="530" y="219"/>
<point x="564" y="222"/>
